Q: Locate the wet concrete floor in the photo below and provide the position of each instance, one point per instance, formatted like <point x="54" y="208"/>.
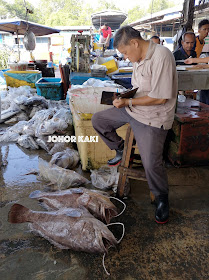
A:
<point x="178" y="250"/>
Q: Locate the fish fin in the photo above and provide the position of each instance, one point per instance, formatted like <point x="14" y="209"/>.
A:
<point x="77" y="190"/>
<point x="35" y="194"/>
<point x="18" y="214"/>
<point x="72" y="213"/>
<point x="36" y="230"/>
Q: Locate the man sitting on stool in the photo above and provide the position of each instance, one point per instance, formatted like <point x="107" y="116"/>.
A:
<point x="150" y="113"/>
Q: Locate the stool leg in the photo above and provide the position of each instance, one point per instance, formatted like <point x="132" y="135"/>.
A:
<point x="125" y="162"/>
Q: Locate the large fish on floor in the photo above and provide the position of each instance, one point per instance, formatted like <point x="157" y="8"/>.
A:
<point x="95" y="201"/>
<point x="66" y="228"/>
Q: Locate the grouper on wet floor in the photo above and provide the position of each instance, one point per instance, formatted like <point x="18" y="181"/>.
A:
<point x="68" y="228"/>
<point x="97" y="202"/>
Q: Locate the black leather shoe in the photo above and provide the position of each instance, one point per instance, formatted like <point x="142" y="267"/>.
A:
<point x="117" y="159"/>
<point x="162" y="210"/>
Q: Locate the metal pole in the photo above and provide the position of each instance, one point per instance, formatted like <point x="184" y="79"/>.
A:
<point x="18" y="47"/>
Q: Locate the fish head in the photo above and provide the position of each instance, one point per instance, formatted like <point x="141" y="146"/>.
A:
<point x="99" y="205"/>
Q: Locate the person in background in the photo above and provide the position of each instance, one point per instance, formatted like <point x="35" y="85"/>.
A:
<point x="155" y="39"/>
<point x="186" y="49"/>
<point x="105" y="34"/>
<point x="150" y="113"/>
<point x="204" y="94"/>
<point x="203" y="30"/>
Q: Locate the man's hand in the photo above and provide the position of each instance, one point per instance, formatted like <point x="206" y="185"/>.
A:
<point x="107" y="44"/>
<point x="121" y="102"/>
<point x="189" y="61"/>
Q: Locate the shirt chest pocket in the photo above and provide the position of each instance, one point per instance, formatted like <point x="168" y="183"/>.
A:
<point x="146" y="83"/>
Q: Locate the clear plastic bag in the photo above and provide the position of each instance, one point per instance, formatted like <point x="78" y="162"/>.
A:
<point x="62" y="178"/>
<point x="68" y="158"/>
<point x="59" y="122"/>
<point x="27" y="142"/>
<point x="9" y="136"/>
<point x="105" y="177"/>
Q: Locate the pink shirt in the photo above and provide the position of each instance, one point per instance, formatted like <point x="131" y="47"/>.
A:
<point x="106" y="32"/>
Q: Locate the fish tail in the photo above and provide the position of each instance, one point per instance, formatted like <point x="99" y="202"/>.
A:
<point x="18" y="214"/>
<point x="35" y="194"/>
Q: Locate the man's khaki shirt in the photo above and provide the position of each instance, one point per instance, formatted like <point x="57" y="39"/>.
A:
<point x="156" y="77"/>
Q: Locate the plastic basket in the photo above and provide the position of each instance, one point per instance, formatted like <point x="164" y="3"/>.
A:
<point x="50" y="88"/>
<point x="22" y="78"/>
<point x="98" y="73"/>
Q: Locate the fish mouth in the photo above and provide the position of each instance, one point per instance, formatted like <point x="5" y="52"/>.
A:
<point x="109" y="214"/>
<point x="107" y="244"/>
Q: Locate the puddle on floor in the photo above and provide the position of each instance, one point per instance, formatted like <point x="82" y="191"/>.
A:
<point x="19" y="161"/>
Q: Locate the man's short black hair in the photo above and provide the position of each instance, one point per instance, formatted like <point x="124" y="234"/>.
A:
<point x="155" y="37"/>
<point x="124" y="35"/>
<point x="203" y="22"/>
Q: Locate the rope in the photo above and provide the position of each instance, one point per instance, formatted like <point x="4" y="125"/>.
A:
<point x="103" y="259"/>
<point x="120" y="202"/>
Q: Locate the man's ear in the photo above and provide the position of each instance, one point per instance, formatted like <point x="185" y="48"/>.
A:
<point x="134" y="42"/>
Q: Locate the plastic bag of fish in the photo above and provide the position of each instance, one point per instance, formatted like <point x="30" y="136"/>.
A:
<point x="68" y="158"/>
<point x="62" y="178"/>
<point x="105" y="177"/>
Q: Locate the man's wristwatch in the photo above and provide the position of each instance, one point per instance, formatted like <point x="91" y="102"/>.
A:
<point x="130" y="105"/>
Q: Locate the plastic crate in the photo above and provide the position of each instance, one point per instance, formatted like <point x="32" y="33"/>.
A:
<point x="98" y="73"/>
<point x="109" y="62"/>
<point x="50" y="88"/>
<point x="22" y="78"/>
<point x="123" y="79"/>
<point x="77" y="78"/>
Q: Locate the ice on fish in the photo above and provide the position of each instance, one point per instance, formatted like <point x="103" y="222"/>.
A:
<point x="68" y="158"/>
<point x="97" y="202"/>
<point x="66" y="228"/>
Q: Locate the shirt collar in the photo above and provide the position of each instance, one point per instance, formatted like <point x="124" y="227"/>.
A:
<point x="150" y="52"/>
<point x="185" y="54"/>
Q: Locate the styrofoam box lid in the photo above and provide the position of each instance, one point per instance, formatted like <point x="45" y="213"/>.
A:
<point x="87" y="100"/>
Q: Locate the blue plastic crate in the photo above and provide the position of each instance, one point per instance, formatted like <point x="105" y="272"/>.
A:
<point x="123" y="79"/>
<point x="77" y="78"/>
<point x="50" y="88"/>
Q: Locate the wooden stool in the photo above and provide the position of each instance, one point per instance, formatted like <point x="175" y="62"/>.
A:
<point x="125" y="169"/>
